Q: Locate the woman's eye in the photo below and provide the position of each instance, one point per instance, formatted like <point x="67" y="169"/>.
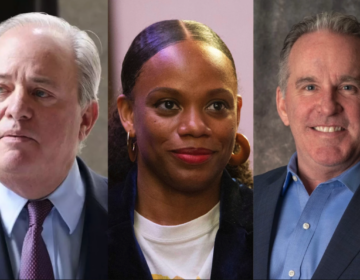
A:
<point x="310" y="87"/>
<point x="217" y="106"/>
<point x="41" y="93"/>
<point x="168" y="105"/>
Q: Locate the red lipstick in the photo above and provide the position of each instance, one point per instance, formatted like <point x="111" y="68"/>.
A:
<point x="193" y="155"/>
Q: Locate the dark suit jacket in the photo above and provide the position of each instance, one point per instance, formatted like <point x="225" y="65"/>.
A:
<point x="341" y="259"/>
<point x="94" y="243"/>
<point x="233" y="243"/>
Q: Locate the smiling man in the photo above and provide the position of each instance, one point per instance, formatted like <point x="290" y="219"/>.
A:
<point x="52" y="207"/>
<point x="307" y="214"/>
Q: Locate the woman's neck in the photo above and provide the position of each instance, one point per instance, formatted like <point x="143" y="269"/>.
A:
<point x="164" y="204"/>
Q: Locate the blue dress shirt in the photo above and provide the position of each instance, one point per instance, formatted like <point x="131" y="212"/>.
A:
<point x="305" y="224"/>
<point x="62" y="228"/>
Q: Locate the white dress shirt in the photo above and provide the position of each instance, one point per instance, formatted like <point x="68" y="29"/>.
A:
<point x="62" y="228"/>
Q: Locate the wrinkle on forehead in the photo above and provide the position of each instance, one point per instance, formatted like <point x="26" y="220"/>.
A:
<point x="37" y="52"/>
<point x="313" y="53"/>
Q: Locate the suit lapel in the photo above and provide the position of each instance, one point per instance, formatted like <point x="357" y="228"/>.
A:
<point x="266" y="200"/>
<point x="234" y="243"/>
<point x="344" y="245"/>
<point x="126" y="260"/>
<point x="94" y="241"/>
<point x="5" y="265"/>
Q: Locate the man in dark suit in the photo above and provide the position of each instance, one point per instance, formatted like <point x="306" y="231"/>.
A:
<point x="307" y="214"/>
<point x="53" y="209"/>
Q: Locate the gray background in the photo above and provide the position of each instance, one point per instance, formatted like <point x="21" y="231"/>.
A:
<point x="93" y="15"/>
<point x="273" y="142"/>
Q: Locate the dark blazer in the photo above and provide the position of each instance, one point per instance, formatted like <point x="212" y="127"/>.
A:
<point x="341" y="259"/>
<point x="94" y="242"/>
<point x="233" y="243"/>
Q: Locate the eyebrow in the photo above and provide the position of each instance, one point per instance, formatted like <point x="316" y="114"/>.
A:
<point x="43" y="80"/>
<point x="303" y="80"/>
<point x="348" y="78"/>
<point x="35" y="79"/>
<point x="176" y="92"/>
<point x="4" y="76"/>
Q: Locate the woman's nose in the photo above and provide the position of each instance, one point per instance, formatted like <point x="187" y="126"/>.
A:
<point x="193" y="123"/>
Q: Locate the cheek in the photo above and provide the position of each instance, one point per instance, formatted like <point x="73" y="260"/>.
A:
<point x="151" y="130"/>
<point x="224" y="132"/>
<point x="60" y="127"/>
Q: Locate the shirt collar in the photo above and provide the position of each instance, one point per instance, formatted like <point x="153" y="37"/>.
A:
<point x="350" y="177"/>
<point x="68" y="199"/>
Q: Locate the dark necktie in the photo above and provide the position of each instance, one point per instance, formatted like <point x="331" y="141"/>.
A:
<point x="35" y="259"/>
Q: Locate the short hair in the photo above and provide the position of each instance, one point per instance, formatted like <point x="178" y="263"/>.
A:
<point x="86" y="54"/>
<point x="333" y="22"/>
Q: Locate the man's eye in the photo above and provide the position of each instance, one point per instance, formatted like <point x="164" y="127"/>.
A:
<point x="348" y="87"/>
<point x="216" y="106"/>
<point x="310" y="87"/>
<point x="168" y="105"/>
<point x="41" y="93"/>
<point x="2" y="89"/>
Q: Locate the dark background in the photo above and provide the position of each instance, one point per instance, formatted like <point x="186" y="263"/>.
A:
<point x="273" y="142"/>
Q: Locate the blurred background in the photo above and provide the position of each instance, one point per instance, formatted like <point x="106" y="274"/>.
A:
<point x="90" y="15"/>
<point x="274" y="144"/>
<point x="232" y="20"/>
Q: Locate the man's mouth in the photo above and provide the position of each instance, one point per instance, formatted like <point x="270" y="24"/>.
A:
<point x="328" y="128"/>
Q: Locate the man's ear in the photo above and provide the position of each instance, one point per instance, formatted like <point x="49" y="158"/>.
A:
<point x="281" y="107"/>
<point x="126" y="113"/>
<point x="89" y="116"/>
<point x="238" y="108"/>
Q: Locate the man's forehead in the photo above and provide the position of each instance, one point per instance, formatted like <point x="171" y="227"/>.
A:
<point x="45" y="35"/>
<point x="321" y="49"/>
<point x="37" y="54"/>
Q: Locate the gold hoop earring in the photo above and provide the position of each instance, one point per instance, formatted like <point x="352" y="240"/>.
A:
<point x="131" y="147"/>
<point x="243" y="155"/>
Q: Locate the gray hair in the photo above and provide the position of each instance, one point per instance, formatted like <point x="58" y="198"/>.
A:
<point x="334" y="22"/>
<point x="86" y="54"/>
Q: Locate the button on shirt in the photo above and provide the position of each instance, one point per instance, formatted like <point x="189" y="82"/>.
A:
<point x="62" y="228"/>
<point x="305" y="224"/>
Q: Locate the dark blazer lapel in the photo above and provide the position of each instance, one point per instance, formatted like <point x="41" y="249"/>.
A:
<point x="94" y="241"/>
<point x="266" y="196"/>
<point x="5" y="265"/>
<point x="126" y="260"/>
<point x="232" y="257"/>
<point x="344" y="245"/>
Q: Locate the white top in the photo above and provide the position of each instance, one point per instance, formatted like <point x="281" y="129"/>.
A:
<point x="62" y="228"/>
<point x="182" y="251"/>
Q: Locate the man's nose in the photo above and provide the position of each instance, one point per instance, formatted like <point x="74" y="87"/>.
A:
<point x="193" y="123"/>
<point x="329" y="102"/>
<point x="18" y="105"/>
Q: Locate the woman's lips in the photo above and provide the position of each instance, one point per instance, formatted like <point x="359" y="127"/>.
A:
<point x="193" y="155"/>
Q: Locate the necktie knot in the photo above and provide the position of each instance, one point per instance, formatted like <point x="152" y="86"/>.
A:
<point x="38" y="211"/>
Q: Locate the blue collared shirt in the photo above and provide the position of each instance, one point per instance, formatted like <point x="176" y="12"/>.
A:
<point x="62" y="228"/>
<point x="305" y="224"/>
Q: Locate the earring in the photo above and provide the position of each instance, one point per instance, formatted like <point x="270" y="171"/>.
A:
<point x="243" y="155"/>
<point x="131" y="147"/>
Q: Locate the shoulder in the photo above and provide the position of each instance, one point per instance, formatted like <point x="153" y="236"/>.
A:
<point x="269" y="177"/>
<point x="96" y="184"/>
<point x="236" y="203"/>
